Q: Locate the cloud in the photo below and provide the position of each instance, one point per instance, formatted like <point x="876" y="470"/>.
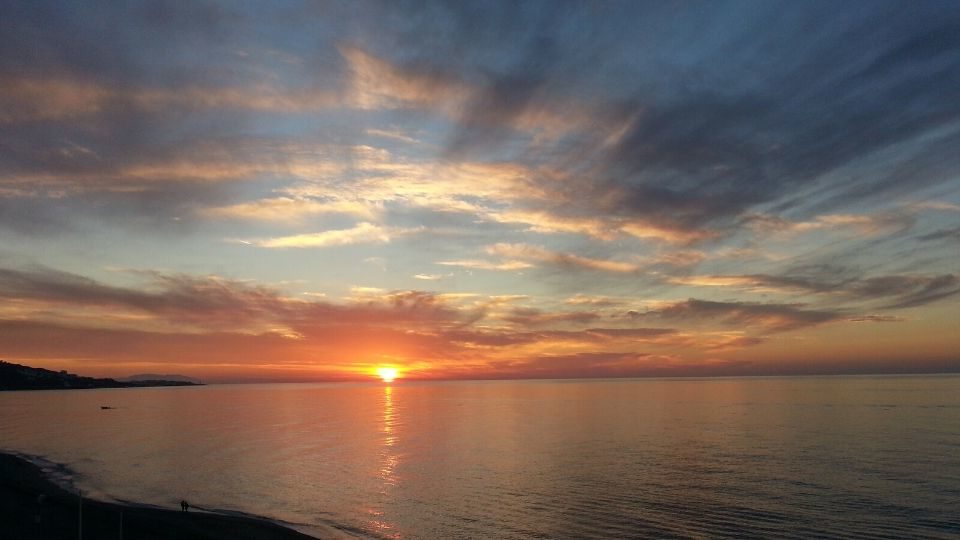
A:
<point x="545" y="222"/>
<point x="35" y="100"/>
<point x="540" y="254"/>
<point x="885" y="223"/>
<point x="580" y="365"/>
<point x="393" y="134"/>
<point x="733" y="342"/>
<point x="538" y="331"/>
<point x="596" y="301"/>
<point x="291" y="209"/>
<point x="876" y="318"/>
<point x="535" y="317"/>
<point x="942" y="234"/>
<point x="376" y="84"/>
<point x="487" y="265"/>
<point x="362" y="233"/>
<point x="32" y="99"/>
<point x="212" y="302"/>
<point x="600" y="227"/>
<point x="56" y="317"/>
<point x="631" y="334"/>
<point x="908" y="290"/>
<point x="911" y="291"/>
<point x="691" y="157"/>
<point x="773" y="317"/>
<point x="207" y="302"/>
<point x="378" y="177"/>
<point x="788" y="283"/>
<point x="617" y="147"/>
<point x="613" y="364"/>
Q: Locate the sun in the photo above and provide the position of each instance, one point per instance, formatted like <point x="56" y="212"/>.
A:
<point x="388" y="374"/>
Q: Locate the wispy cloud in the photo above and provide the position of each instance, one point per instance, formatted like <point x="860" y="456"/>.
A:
<point x="487" y="265"/>
<point x="540" y="254"/>
<point x="775" y="317"/>
<point x="600" y="227"/>
<point x="877" y="318"/>
<point x="536" y="317"/>
<point x="910" y="291"/>
<point x="291" y="209"/>
<point x="906" y="290"/>
<point x="362" y="233"/>
<point x="598" y="301"/>
<point x="42" y="99"/>
<point x="942" y="234"/>
<point x="884" y="223"/>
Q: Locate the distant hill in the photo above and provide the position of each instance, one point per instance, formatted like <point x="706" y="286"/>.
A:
<point x="142" y="377"/>
<point x="18" y="377"/>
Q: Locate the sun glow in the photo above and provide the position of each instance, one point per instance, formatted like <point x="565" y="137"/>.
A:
<point x="388" y="374"/>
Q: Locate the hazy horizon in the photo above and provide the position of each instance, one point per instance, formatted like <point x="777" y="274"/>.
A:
<point x="798" y="371"/>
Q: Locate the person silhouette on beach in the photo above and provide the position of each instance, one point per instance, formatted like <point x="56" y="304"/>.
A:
<point x="184" y="506"/>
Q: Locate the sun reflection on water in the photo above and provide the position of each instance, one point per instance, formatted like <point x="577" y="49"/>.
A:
<point x="389" y="460"/>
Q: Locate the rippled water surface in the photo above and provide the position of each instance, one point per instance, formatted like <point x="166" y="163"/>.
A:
<point x="788" y="457"/>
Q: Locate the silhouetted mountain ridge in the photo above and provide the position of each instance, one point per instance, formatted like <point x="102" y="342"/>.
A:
<point x="19" y="377"/>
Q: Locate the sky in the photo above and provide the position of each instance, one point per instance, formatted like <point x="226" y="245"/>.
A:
<point x="261" y="191"/>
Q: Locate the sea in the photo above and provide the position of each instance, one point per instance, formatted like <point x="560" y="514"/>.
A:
<point x="790" y="457"/>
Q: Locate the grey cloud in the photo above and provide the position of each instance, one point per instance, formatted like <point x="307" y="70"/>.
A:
<point x="212" y="302"/>
<point x="630" y="333"/>
<point x="661" y="123"/>
<point x="160" y="208"/>
<point x="536" y="317"/>
<point x="942" y="234"/>
<point x="107" y="40"/>
<point x="907" y="290"/>
<point x="744" y="130"/>
<point x="876" y="318"/>
<point x="735" y="343"/>
<point x="913" y="291"/>
<point x="775" y="317"/>
<point x="595" y="335"/>
<point x="209" y="302"/>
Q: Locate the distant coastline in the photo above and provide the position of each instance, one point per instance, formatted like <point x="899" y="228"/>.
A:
<point x="32" y="506"/>
<point x="20" y="377"/>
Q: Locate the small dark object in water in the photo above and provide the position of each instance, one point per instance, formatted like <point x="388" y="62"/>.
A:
<point x="105" y="407"/>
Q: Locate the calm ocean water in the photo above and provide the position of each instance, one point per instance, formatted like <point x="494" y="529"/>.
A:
<point x="844" y="457"/>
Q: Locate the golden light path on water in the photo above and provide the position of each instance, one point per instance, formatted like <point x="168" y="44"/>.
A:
<point x="389" y="458"/>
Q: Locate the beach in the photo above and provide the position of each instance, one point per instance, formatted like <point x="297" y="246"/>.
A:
<point x="22" y="517"/>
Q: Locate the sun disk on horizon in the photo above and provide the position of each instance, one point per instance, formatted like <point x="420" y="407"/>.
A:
<point x="388" y="374"/>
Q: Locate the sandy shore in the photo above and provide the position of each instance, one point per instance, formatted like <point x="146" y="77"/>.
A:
<point x="22" y="517"/>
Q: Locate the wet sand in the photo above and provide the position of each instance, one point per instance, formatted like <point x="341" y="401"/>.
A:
<point x="22" y="517"/>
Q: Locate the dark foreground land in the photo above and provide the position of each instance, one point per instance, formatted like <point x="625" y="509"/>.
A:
<point x="21" y="482"/>
<point x="18" y="377"/>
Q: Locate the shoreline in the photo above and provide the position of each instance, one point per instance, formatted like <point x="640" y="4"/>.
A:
<point x="22" y="517"/>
